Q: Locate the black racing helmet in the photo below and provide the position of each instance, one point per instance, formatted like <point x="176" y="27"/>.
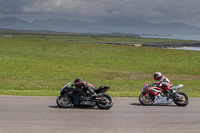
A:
<point x="77" y="80"/>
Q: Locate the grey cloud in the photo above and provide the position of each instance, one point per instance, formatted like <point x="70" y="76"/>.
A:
<point x="154" y="10"/>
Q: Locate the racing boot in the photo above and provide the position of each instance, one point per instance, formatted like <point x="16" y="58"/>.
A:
<point x="93" y="93"/>
<point x="170" y="93"/>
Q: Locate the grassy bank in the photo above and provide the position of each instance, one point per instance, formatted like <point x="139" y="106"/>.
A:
<point x="40" y="65"/>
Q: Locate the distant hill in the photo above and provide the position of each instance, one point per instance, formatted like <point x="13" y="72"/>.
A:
<point x="14" y="23"/>
<point x="116" y="34"/>
<point x="103" y="26"/>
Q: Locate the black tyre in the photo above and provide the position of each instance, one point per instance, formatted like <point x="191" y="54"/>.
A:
<point x="184" y="100"/>
<point x="106" y="102"/>
<point x="144" y="100"/>
<point x="64" y="101"/>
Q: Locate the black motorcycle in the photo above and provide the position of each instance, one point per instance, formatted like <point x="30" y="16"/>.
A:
<point x="71" y="96"/>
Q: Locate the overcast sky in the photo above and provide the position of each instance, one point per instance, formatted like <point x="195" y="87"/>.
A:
<point x="187" y="11"/>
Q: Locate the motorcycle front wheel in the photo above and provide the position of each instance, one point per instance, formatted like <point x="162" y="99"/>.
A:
<point x="106" y="102"/>
<point x="146" y="100"/>
<point x="64" y="101"/>
<point x="183" y="101"/>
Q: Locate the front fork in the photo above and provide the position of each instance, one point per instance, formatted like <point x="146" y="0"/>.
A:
<point x="147" y="94"/>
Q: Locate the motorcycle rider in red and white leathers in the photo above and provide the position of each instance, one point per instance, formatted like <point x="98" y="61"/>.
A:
<point x="163" y="82"/>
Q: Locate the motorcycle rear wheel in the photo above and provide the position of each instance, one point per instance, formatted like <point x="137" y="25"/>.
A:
<point x="106" y="102"/>
<point x="144" y="100"/>
<point x="64" y="101"/>
<point x="184" y="101"/>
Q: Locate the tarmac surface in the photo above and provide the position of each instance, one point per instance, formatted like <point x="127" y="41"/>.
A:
<point x="21" y="114"/>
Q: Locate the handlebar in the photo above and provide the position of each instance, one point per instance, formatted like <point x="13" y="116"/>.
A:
<point x="154" y="84"/>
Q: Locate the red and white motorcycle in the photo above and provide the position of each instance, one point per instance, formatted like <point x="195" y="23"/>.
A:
<point x="152" y="94"/>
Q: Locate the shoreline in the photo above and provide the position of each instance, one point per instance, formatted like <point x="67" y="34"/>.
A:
<point x="171" y="45"/>
<point x="197" y="45"/>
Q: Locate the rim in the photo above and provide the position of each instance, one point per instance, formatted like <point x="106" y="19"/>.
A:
<point x="146" y="100"/>
<point x="105" y="101"/>
<point x="183" y="100"/>
<point x="64" y="101"/>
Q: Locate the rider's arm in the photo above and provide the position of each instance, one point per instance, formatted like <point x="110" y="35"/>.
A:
<point x="161" y="79"/>
<point x="157" y="84"/>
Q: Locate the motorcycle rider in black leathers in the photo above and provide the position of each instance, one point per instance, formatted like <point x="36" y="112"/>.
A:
<point x="79" y="83"/>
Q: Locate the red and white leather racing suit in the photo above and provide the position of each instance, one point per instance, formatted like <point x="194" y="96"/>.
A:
<point x="164" y="83"/>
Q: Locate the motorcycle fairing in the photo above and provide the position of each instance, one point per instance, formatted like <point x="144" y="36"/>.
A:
<point x="155" y="90"/>
<point x="177" y="87"/>
<point x="75" y="97"/>
<point x="160" y="99"/>
<point x="102" y="89"/>
<point x="90" y="103"/>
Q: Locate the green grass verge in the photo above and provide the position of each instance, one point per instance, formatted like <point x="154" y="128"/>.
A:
<point x="40" y="65"/>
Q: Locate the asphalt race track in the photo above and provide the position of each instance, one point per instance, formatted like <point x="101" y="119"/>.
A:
<point x="19" y="114"/>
